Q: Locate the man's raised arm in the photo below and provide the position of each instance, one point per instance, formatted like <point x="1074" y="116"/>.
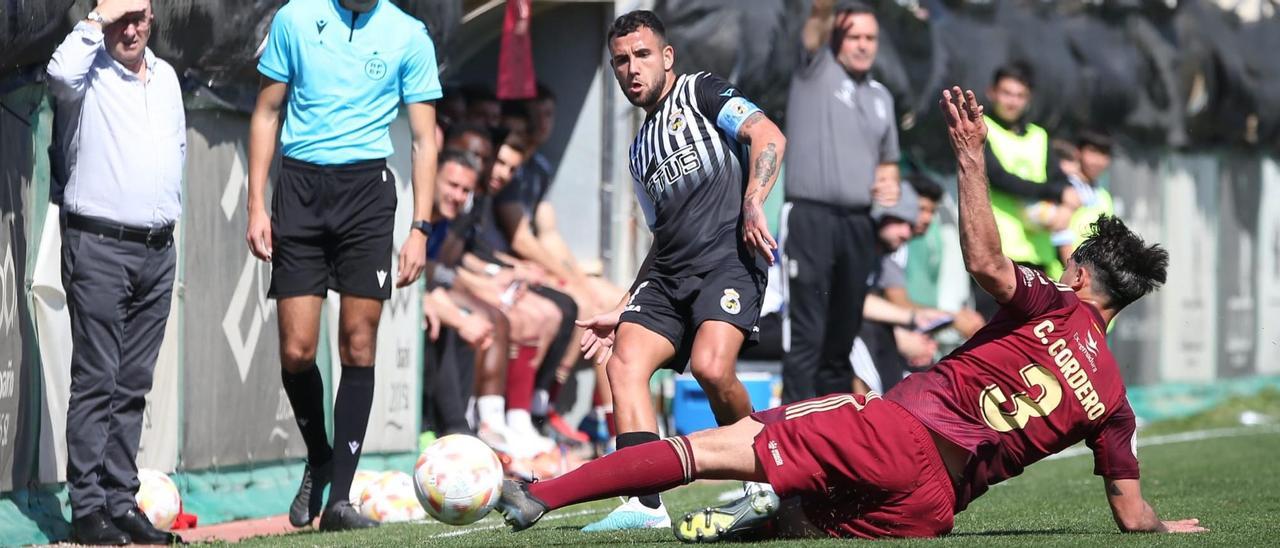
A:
<point x="817" y="29"/>
<point x="979" y="239"/>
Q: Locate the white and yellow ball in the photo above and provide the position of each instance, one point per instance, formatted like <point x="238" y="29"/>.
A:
<point x="390" y="499"/>
<point x="158" y="498"/>
<point x="359" y="482"/>
<point x="458" y="479"/>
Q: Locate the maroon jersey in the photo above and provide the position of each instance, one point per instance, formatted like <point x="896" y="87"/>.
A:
<point x="1037" y="379"/>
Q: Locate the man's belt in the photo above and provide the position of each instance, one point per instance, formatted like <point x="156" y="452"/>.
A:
<point x="151" y="237"/>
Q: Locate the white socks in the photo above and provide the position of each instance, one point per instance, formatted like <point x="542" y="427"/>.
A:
<point x="490" y="410"/>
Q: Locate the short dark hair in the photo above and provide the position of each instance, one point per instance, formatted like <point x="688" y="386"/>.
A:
<point x="1123" y="266"/>
<point x="514" y="108"/>
<point x="630" y="22"/>
<point x="1094" y="139"/>
<point x="926" y="187"/>
<point x="1064" y="150"/>
<point x="461" y="157"/>
<point x="1018" y="71"/>
<point x="545" y="93"/>
<point x="462" y="128"/>
<point x="478" y="93"/>
<point x="854" y="7"/>
<point x="517" y="142"/>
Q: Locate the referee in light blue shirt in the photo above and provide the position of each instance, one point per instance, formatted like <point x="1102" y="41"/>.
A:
<point x="338" y="70"/>
<point x="121" y="120"/>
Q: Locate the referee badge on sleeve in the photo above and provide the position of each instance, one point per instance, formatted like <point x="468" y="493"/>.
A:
<point x="729" y="302"/>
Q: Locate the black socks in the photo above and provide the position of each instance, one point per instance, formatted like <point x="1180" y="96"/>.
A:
<point x="350" y="419"/>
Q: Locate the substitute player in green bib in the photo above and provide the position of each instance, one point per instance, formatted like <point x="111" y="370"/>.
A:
<point x="338" y="70"/>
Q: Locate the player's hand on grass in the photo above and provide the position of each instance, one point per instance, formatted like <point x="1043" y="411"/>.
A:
<point x="413" y="258"/>
<point x="966" y="129"/>
<point x="755" y="230"/>
<point x="259" y="235"/>
<point x="1191" y="525"/>
<point x="597" y="340"/>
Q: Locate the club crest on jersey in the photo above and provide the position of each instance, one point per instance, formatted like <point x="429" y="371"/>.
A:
<point x="676" y="122"/>
<point x="729" y="302"/>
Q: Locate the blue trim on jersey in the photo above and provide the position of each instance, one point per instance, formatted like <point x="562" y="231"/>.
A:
<point x="734" y="112"/>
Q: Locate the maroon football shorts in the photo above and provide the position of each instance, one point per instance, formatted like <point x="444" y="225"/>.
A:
<point x="861" y="466"/>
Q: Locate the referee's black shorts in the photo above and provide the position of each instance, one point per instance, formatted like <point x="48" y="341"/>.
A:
<point x="331" y="228"/>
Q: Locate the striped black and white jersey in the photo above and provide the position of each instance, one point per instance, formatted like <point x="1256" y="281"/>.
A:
<point x="690" y="173"/>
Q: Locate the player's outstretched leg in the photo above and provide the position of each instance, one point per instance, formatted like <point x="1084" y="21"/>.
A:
<point x="748" y="514"/>
<point x="722" y="453"/>
<point x="519" y="508"/>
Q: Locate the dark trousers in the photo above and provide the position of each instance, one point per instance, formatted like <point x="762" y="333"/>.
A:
<point x="445" y="394"/>
<point x="546" y="376"/>
<point x="118" y="295"/>
<point x="829" y="254"/>
<point x="881" y="345"/>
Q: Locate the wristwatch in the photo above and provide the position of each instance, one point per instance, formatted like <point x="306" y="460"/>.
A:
<point x="422" y="226"/>
<point x="96" y="18"/>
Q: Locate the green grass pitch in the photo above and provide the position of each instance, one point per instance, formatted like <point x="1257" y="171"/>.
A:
<point x="1231" y="482"/>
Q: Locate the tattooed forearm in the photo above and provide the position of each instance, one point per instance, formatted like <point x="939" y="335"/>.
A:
<point x="766" y="164"/>
<point x="744" y="131"/>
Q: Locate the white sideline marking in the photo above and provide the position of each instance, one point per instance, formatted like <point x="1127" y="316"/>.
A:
<point x="1194" y="435"/>
<point x="1167" y="439"/>
<point x="503" y="525"/>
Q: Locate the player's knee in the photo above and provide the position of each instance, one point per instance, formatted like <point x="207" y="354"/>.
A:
<point x="713" y="367"/>
<point x="623" y="375"/>
<point x="358" y="347"/>
<point x="297" y="357"/>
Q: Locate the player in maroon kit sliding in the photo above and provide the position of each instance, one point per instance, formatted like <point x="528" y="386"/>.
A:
<point x="1036" y="380"/>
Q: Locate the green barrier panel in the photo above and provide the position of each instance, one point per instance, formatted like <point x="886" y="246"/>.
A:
<point x="41" y="515"/>
<point x="34" y="516"/>
<point x="1177" y="400"/>
<point x="260" y="491"/>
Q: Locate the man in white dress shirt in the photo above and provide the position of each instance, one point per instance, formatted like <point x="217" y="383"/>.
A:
<point x="123" y="132"/>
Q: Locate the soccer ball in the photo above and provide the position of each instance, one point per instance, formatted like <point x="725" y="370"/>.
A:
<point x="458" y="479"/>
<point x="391" y="498"/>
<point x="158" y="498"/>
<point x="359" y="482"/>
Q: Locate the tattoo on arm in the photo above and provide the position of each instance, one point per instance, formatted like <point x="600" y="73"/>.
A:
<point x="1114" y="490"/>
<point x="766" y="164"/>
<point x="749" y="123"/>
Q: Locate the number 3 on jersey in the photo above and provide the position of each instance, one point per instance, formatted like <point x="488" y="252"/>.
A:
<point x="1025" y="407"/>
